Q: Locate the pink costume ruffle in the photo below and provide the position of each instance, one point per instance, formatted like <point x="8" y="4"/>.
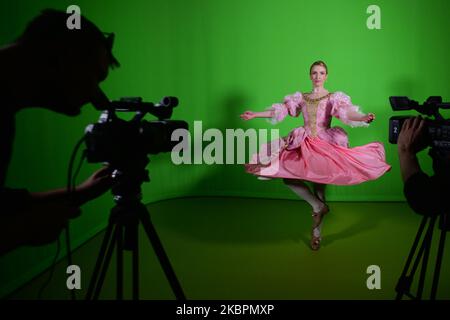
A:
<point x="317" y="152"/>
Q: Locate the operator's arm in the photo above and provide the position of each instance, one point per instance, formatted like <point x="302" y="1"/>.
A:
<point x="97" y="184"/>
<point x="427" y="195"/>
<point x="38" y="218"/>
<point x="409" y="164"/>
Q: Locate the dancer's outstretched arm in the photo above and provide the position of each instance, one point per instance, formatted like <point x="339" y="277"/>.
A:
<point x="368" y="118"/>
<point x="248" y="115"/>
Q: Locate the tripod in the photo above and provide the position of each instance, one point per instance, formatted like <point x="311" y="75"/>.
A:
<point x="122" y="232"/>
<point x="405" y="281"/>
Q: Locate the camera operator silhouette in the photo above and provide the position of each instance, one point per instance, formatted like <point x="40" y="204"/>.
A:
<point x="425" y="195"/>
<point x="52" y="67"/>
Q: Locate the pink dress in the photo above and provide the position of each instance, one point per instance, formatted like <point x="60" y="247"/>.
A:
<point x="317" y="152"/>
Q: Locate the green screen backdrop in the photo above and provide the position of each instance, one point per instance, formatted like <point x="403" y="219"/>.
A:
<point x="221" y="58"/>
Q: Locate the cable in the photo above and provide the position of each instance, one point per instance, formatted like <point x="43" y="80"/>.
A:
<point x="41" y="290"/>
<point x="74" y="178"/>
<point x="70" y="191"/>
<point x="69" y="257"/>
<point x="72" y="160"/>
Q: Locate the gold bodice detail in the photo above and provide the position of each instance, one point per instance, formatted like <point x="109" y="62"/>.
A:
<point x="311" y="109"/>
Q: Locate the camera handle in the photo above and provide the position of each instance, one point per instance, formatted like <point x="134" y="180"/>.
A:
<point x="122" y="233"/>
<point x="404" y="283"/>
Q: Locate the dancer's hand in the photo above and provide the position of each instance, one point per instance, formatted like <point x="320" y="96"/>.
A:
<point x="248" y="115"/>
<point x="369" y="117"/>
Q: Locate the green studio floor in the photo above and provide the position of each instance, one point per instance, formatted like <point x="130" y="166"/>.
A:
<point x="237" y="248"/>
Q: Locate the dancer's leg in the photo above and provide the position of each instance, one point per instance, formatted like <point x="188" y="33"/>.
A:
<point x="303" y="191"/>
<point x="319" y="191"/>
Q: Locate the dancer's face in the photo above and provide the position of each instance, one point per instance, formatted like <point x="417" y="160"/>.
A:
<point x="318" y="76"/>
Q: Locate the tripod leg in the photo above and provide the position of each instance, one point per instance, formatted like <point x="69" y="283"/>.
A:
<point x="161" y="254"/>
<point x="440" y="253"/>
<point x="105" y="264"/>
<point x="119" y="254"/>
<point x="404" y="283"/>
<point x="135" y="264"/>
<point x="106" y="240"/>
<point x="427" y="243"/>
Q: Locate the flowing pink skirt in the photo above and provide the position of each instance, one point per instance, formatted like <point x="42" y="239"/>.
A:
<point x="317" y="160"/>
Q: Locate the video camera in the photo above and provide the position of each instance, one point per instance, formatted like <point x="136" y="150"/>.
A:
<point x="125" y="146"/>
<point x="121" y="143"/>
<point x="437" y="130"/>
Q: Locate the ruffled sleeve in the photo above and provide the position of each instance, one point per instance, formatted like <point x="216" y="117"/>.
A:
<point x="290" y="106"/>
<point x="342" y="108"/>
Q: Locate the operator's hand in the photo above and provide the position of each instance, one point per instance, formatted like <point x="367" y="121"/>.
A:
<point x="94" y="186"/>
<point x="248" y="115"/>
<point x="412" y="136"/>
<point x="369" y="118"/>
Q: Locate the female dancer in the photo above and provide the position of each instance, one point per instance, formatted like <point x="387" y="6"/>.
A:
<point x="316" y="152"/>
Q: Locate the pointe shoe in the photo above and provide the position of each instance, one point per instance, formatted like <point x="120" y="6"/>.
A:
<point x="317" y="217"/>
<point x="315" y="242"/>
